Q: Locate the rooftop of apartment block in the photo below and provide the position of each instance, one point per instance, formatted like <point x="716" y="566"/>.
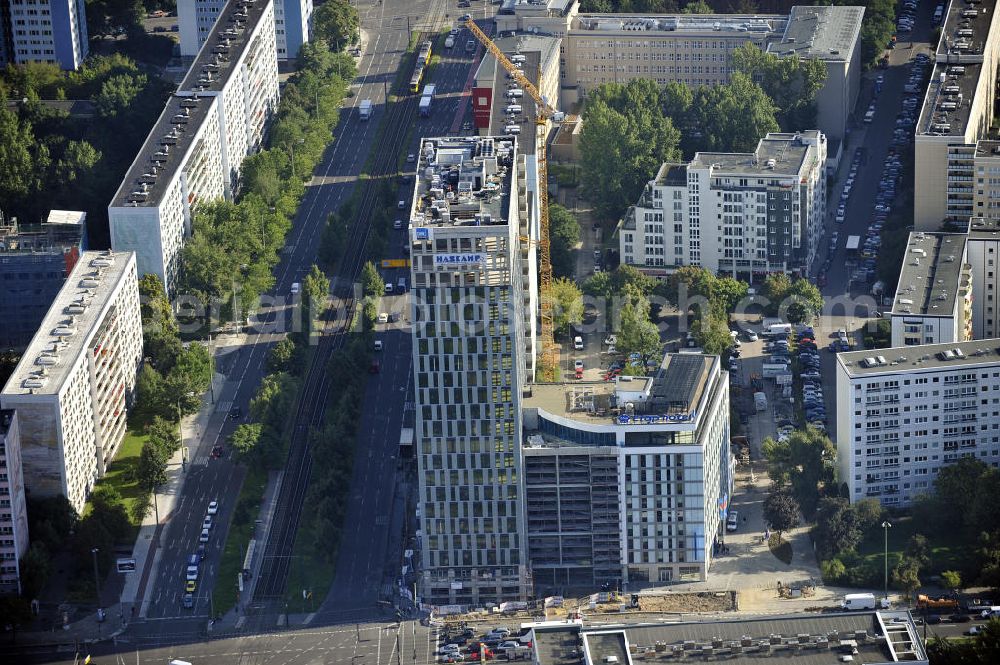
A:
<point x="964" y="16"/>
<point x="777" y="154"/>
<point x="552" y="7"/>
<point x="762" y="24"/>
<point x="984" y="228"/>
<point x="223" y="49"/>
<point x="672" y="175"/>
<point x="926" y="356"/>
<point x="932" y="274"/>
<point x="990" y="149"/>
<point x="827" y="33"/>
<point x="463" y="181"/>
<point x="671" y="396"/>
<point x="61" y="231"/>
<point x="948" y="102"/>
<point x="800" y="639"/>
<point x="69" y="324"/>
<point x="162" y="153"/>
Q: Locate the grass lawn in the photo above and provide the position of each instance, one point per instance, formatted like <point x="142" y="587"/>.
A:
<point x="307" y="572"/>
<point x="119" y="473"/>
<point x="948" y="552"/>
<point x="781" y="549"/>
<point x="246" y="511"/>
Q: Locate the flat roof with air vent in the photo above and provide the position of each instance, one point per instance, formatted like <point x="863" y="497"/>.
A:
<point x="925" y="356"/>
<point x="162" y="154"/>
<point x="224" y="47"/>
<point x="779" y="155"/>
<point x="825" y="33"/>
<point x="798" y="639"/>
<point x="74" y="316"/>
<point x="933" y="276"/>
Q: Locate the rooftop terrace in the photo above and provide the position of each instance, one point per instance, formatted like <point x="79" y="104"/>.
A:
<point x="933" y="272"/>
<point x="463" y="181"/>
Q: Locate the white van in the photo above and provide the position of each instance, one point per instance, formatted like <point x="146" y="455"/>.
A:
<point x="992" y="611"/>
<point x="515" y="92"/>
<point x="855" y="602"/>
<point x="578" y="343"/>
<point x="514" y="109"/>
<point x="869" y="116"/>
<point x="733" y="521"/>
<point x="512" y="129"/>
<point x="449" y="41"/>
<point x="296" y="288"/>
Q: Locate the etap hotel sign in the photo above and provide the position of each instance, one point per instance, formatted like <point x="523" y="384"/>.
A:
<point x="656" y="419"/>
<point x="457" y="259"/>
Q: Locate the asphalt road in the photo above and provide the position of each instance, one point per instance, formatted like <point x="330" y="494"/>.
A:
<point x="370" y="557"/>
<point x="360" y="564"/>
<point x="876" y="142"/>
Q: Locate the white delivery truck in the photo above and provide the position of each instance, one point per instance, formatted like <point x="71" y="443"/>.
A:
<point x="760" y="401"/>
<point x="365" y="109"/>
<point x="856" y="602"/>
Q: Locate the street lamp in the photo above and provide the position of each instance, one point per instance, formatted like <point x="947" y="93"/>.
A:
<point x="97" y="586"/>
<point x="885" y="580"/>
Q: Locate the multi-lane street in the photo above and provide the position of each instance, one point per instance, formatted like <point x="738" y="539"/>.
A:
<point x="369" y="559"/>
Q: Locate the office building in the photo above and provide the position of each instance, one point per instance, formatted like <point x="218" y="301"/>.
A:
<point x="34" y="262"/>
<point x="697" y="50"/>
<point x="548" y="17"/>
<point x="74" y="381"/>
<point x="738" y="214"/>
<point x="957" y="112"/>
<point x="197" y="18"/>
<point x="626" y="482"/>
<point x="905" y="412"/>
<point x="876" y="638"/>
<point x="469" y="370"/>
<point x="986" y="198"/>
<point x="13" y="516"/>
<point x="218" y="116"/>
<point x="933" y="303"/>
<point x="492" y="96"/>
<point x="53" y="31"/>
<point x="983" y="252"/>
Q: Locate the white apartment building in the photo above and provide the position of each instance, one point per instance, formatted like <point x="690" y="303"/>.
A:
<point x="904" y="413"/>
<point x="49" y="31"/>
<point x="957" y="113"/>
<point x="628" y="482"/>
<point x="983" y="252"/>
<point x="196" y="19"/>
<point x="218" y="116"/>
<point x="739" y="214"/>
<point x="75" y="379"/>
<point x="13" y="516"/>
<point x="986" y="197"/>
<point x="934" y="301"/>
<point x="469" y="370"/>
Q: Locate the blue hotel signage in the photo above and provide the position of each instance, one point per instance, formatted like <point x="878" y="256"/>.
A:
<point x="656" y="419"/>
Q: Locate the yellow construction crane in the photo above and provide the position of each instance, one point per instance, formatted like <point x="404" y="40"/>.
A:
<point x="543" y="112"/>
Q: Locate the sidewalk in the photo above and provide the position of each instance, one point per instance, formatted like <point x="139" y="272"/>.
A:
<point x="132" y="601"/>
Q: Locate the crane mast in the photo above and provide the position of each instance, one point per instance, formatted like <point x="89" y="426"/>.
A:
<point x="543" y="111"/>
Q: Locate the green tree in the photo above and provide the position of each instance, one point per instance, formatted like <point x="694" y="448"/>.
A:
<point x="77" y="160"/>
<point x="711" y="332"/>
<point x="804" y="301"/>
<point x="781" y="512"/>
<point x="372" y="285"/>
<point x="625" y="138"/>
<point x="564" y="234"/>
<point x="637" y="334"/>
<point x="791" y="83"/>
<point x="805" y="461"/>
<point x="283" y="357"/>
<point x="245" y="438"/>
<point x="836" y="529"/>
<point x="906" y="576"/>
<point x="697" y="7"/>
<point x="567" y="306"/>
<point x="36" y="566"/>
<point x="23" y="159"/>
<point x="918" y="549"/>
<point x="951" y="579"/>
<point x="869" y="513"/>
<point x="336" y="22"/>
<point x="732" y="117"/>
<point x="119" y="93"/>
<point x="151" y="470"/>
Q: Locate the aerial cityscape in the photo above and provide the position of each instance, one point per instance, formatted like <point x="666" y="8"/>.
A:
<point x="387" y="332"/>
